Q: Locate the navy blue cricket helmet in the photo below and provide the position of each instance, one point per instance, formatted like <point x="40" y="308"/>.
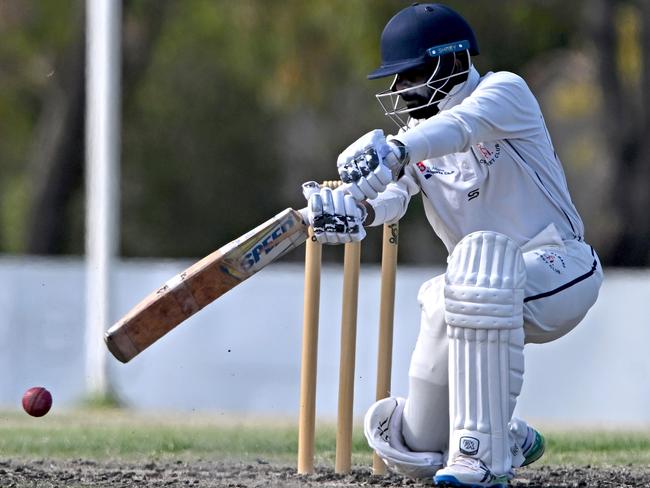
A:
<point x="419" y="33"/>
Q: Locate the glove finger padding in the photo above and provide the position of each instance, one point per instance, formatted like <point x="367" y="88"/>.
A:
<point x="355" y="191"/>
<point x="354" y="218"/>
<point x="374" y="139"/>
<point x="379" y="179"/>
<point x="340" y="231"/>
<point x="335" y="217"/>
<point x="332" y="224"/>
<point x="368" y="165"/>
<point x="317" y="216"/>
<point x="315" y="208"/>
<point x="366" y="188"/>
<point x="328" y="200"/>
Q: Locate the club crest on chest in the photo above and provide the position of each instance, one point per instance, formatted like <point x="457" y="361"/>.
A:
<point x="487" y="153"/>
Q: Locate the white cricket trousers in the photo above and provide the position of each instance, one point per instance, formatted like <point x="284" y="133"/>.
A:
<point x="562" y="283"/>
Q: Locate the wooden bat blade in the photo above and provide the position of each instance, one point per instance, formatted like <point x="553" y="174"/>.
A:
<point x="203" y="282"/>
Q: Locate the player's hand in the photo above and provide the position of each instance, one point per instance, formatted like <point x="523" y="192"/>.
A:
<point x="334" y="215"/>
<point x="370" y="163"/>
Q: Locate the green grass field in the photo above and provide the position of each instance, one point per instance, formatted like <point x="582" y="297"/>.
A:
<point x="105" y="434"/>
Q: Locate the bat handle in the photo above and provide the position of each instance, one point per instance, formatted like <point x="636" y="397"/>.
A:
<point x="304" y="213"/>
<point x="309" y="188"/>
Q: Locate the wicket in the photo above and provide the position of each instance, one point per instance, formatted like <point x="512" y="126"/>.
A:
<point x="351" y="269"/>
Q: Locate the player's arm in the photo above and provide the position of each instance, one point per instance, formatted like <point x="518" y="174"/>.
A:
<point x="391" y="204"/>
<point x="501" y="107"/>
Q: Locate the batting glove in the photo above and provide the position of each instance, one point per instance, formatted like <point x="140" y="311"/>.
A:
<point x="370" y="163"/>
<point x="334" y="215"/>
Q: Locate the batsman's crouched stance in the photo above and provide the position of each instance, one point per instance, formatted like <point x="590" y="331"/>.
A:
<point x="519" y="270"/>
<point x="421" y="421"/>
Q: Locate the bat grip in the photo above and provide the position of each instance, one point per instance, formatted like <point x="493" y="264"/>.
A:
<point x="304" y="213"/>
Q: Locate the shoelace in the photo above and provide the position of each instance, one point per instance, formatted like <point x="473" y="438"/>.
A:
<point x="477" y="464"/>
<point x="471" y="463"/>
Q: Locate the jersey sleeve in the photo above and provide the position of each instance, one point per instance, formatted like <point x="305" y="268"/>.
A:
<point x="391" y="204"/>
<point x="501" y="107"/>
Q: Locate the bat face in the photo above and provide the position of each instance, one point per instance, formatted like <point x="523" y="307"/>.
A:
<point x="203" y="282"/>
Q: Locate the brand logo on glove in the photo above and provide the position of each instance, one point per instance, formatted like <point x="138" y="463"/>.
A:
<point x="469" y="445"/>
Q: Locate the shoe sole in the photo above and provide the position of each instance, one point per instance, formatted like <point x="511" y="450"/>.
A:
<point x="451" y="481"/>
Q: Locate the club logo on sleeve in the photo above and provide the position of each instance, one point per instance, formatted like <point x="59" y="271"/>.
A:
<point x="469" y="445"/>
<point x="487" y="154"/>
<point x="428" y="170"/>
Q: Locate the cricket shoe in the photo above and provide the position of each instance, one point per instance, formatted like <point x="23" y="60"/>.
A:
<point x="533" y="447"/>
<point x="467" y="472"/>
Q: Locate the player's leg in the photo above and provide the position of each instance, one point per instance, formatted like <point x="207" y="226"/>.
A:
<point x="425" y="417"/>
<point x="411" y="434"/>
<point x="425" y="424"/>
<point x="484" y="295"/>
<point x="562" y="284"/>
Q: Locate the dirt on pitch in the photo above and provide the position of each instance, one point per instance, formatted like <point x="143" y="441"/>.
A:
<point x="261" y="474"/>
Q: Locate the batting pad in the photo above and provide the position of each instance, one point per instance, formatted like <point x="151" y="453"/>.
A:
<point x="484" y="287"/>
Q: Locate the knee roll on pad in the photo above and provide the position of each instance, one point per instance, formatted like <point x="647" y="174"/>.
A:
<point x="484" y="287"/>
<point x="382" y="427"/>
<point x="484" y="283"/>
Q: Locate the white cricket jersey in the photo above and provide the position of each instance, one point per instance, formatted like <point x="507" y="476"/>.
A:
<point x="485" y="162"/>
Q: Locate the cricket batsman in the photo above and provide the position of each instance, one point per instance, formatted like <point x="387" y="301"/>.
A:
<point x="519" y="270"/>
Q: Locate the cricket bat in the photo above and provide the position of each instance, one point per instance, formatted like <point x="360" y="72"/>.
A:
<point x="203" y="282"/>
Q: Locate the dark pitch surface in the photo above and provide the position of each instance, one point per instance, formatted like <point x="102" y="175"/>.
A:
<point x="261" y="474"/>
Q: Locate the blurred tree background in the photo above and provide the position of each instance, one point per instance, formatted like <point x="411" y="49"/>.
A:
<point x="228" y="106"/>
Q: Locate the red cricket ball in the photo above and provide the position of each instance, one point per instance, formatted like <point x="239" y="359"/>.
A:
<point x="37" y="401"/>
